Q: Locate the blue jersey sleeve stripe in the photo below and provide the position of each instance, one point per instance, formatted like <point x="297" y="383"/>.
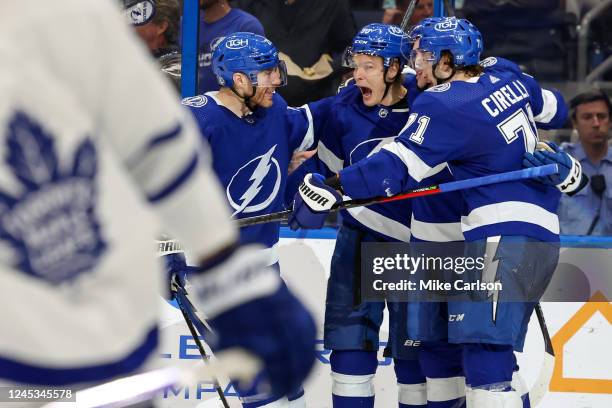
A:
<point x="29" y="374"/>
<point x="170" y="188"/>
<point x="155" y="142"/>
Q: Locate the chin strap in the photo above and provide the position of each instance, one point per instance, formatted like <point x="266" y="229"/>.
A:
<point x="245" y="99"/>
<point x="387" y="84"/>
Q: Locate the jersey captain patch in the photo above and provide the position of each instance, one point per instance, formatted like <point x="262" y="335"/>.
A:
<point x="49" y="229"/>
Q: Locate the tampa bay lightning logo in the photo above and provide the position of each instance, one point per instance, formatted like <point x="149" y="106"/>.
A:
<point x="255" y="185"/>
<point x="488" y="62"/>
<point x="196" y="101"/>
<point x="48" y="225"/>
<point x="440" y="88"/>
<point x="140" y="13"/>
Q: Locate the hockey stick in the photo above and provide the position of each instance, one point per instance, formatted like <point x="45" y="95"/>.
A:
<point x="448" y="9"/>
<point x="419" y="192"/>
<point x="539" y="389"/>
<point x="408" y="15"/>
<point x="189" y="315"/>
<point x="128" y="391"/>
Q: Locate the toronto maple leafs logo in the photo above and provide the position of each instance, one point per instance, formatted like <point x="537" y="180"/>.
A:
<point x="50" y="226"/>
<point x="255" y="185"/>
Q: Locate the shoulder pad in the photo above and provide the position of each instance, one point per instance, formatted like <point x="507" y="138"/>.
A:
<point x="196" y="101"/>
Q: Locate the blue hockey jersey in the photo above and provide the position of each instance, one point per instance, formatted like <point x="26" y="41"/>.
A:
<point x="472" y="128"/>
<point x="251" y="155"/>
<point x="438" y="218"/>
<point x="353" y="132"/>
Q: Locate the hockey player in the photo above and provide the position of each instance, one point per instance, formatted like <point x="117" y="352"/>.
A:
<point x="366" y="115"/>
<point x="438" y="219"/>
<point x="88" y="177"/>
<point x="252" y="134"/>
<point x="476" y="124"/>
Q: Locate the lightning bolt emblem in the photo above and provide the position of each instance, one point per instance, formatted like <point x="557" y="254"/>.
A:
<point x="258" y="176"/>
<point x="489" y="273"/>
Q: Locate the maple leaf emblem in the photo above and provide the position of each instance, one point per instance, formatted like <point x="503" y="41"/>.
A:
<point x="51" y="226"/>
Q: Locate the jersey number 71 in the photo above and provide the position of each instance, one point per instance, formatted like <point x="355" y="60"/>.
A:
<point x="520" y="123"/>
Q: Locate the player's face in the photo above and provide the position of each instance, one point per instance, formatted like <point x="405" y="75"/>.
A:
<point x="593" y="122"/>
<point x="152" y="34"/>
<point x="421" y="62"/>
<point x="267" y="82"/>
<point x="424" y="9"/>
<point x="369" y="77"/>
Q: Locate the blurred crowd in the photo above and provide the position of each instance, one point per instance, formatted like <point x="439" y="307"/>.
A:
<point x="542" y="36"/>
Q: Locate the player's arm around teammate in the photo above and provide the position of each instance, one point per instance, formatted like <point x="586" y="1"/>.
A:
<point x="456" y="123"/>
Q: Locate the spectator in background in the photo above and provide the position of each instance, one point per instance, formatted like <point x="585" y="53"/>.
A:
<point x="219" y="20"/>
<point x="589" y="212"/>
<point x="395" y="10"/>
<point x="311" y="36"/>
<point x="157" y="23"/>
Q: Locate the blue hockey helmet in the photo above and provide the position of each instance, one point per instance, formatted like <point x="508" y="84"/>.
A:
<point x="246" y="53"/>
<point x="458" y="36"/>
<point x="381" y="40"/>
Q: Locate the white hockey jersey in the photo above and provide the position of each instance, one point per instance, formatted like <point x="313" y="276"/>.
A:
<point x="96" y="157"/>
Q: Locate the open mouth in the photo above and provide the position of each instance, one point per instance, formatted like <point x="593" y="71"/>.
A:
<point x="365" y="91"/>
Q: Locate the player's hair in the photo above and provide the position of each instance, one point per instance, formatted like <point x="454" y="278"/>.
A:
<point x="588" y="97"/>
<point x="469" y="70"/>
<point x="170" y="12"/>
<point x="399" y="78"/>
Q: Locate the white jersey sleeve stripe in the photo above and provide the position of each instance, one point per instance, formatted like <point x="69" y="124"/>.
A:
<point x="549" y="107"/>
<point x="379" y="223"/>
<point x="436" y="231"/>
<point x="417" y="168"/>
<point x="308" y="140"/>
<point x="333" y="162"/>
<point x="510" y="211"/>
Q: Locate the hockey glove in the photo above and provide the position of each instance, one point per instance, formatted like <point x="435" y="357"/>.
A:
<point x="172" y="254"/>
<point x="250" y="309"/>
<point x="312" y="203"/>
<point x="570" y="178"/>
